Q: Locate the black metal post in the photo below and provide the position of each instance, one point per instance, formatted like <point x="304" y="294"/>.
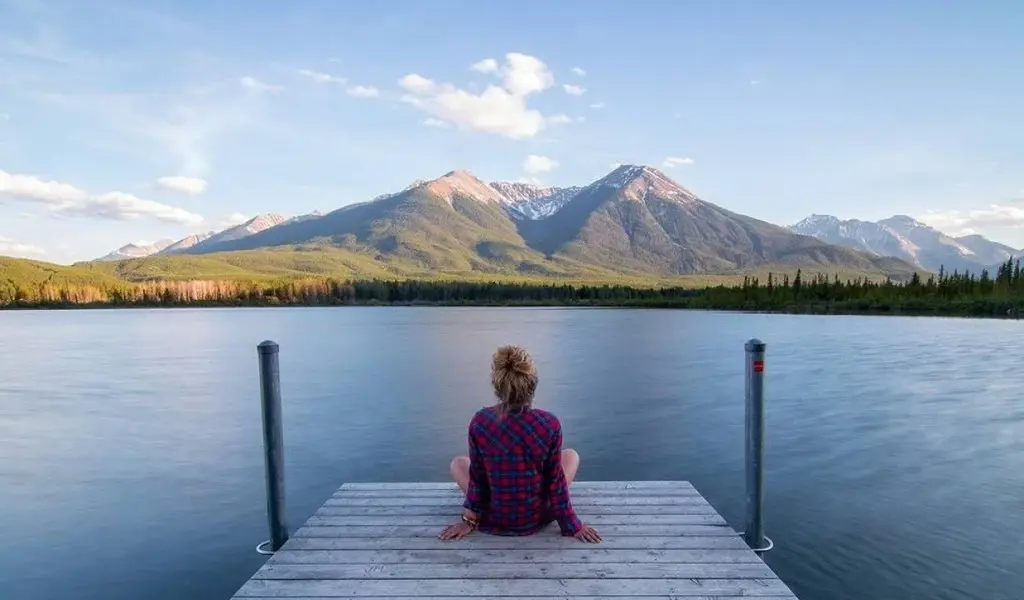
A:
<point x="273" y="442"/>
<point x="754" y="532"/>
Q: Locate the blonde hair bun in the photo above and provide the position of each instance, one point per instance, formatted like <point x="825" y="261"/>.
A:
<point x="514" y="377"/>
<point x="513" y="360"/>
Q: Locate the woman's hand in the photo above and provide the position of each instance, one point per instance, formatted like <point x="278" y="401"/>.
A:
<point x="588" y="534"/>
<point x="456" y="531"/>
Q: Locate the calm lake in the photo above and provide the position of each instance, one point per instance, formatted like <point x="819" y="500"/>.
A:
<point x="131" y="453"/>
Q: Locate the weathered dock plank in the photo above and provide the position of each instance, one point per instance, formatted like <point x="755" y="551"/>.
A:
<point x="662" y="539"/>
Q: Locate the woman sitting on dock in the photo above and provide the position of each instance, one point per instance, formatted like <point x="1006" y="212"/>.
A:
<point x="516" y="477"/>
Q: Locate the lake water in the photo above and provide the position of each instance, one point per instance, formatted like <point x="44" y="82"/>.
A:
<point x="131" y="456"/>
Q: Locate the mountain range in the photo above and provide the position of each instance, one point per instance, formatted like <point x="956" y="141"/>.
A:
<point x="635" y="221"/>
<point x="909" y="240"/>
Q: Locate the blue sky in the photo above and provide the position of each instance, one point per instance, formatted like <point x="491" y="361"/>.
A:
<point x="124" y="121"/>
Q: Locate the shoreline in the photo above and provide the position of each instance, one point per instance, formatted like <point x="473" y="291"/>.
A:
<point x="795" y="311"/>
<point x="956" y="295"/>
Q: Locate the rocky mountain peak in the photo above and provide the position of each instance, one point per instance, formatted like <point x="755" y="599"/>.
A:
<point x="463" y="183"/>
<point x="815" y="221"/>
<point x="637" y="182"/>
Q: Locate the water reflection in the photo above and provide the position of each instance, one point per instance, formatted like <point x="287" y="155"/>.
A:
<point x="131" y="462"/>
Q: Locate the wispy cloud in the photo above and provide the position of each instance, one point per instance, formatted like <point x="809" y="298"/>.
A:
<point x="430" y="122"/>
<point x="320" y="77"/>
<point x="563" y="119"/>
<point x="185" y="125"/>
<point x="192" y="186"/>
<point x="9" y="247"/>
<point x="535" y="164"/>
<point x="578" y="72"/>
<point x="362" y="91"/>
<point x="960" y="221"/>
<point x="574" y="90"/>
<point x="66" y="199"/>
<point x="234" y="219"/>
<point x="597" y="105"/>
<point x="499" y="110"/>
<point x="252" y="83"/>
<point x="672" y="162"/>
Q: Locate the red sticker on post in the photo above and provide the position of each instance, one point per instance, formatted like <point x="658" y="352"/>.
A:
<point x="759" y="366"/>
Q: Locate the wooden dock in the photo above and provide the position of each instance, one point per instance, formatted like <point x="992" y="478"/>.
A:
<point x="662" y="539"/>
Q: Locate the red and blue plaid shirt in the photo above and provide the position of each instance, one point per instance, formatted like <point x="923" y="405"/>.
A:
<point x="516" y="482"/>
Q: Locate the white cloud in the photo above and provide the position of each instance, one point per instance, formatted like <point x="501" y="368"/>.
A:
<point x="363" y="91"/>
<point x="5" y="117"/>
<point x="563" y="119"/>
<point x="597" y="105"/>
<point x="65" y="199"/>
<point x="535" y="164"/>
<point x="417" y="84"/>
<point x="120" y="206"/>
<point x="434" y="123"/>
<point x="524" y="74"/>
<point x="754" y="82"/>
<point x="578" y="72"/>
<point x="192" y="186"/>
<point x="672" y="162"/>
<point x="957" y="222"/>
<point x="319" y="77"/>
<point x="499" y="110"/>
<point x="9" y="247"/>
<point x="487" y="65"/>
<point x="252" y="83"/>
<point x="574" y="90"/>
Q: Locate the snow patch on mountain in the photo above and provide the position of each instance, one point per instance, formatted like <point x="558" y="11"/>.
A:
<point x="532" y="202"/>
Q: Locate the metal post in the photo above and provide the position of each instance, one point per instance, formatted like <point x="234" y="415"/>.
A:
<point x="273" y="444"/>
<point x="754" y="532"/>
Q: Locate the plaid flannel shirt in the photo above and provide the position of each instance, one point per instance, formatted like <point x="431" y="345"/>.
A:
<point x="516" y="482"/>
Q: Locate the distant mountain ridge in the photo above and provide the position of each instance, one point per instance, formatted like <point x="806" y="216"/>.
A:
<point x="186" y="243"/>
<point x="907" y="239"/>
<point x="198" y="241"/>
<point x="635" y="221"/>
<point x="252" y="226"/>
<point x="137" y="250"/>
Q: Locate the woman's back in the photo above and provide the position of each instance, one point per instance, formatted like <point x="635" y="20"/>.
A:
<point x="516" y="476"/>
<point x="516" y="471"/>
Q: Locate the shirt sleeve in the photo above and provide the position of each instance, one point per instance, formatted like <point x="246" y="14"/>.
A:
<point x="478" y="492"/>
<point x="558" y="490"/>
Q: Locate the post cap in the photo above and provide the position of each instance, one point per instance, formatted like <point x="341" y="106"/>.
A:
<point x="754" y="345"/>
<point x="268" y="347"/>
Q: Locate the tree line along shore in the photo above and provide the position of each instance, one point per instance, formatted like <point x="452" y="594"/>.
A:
<point x="956" y="294"/>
